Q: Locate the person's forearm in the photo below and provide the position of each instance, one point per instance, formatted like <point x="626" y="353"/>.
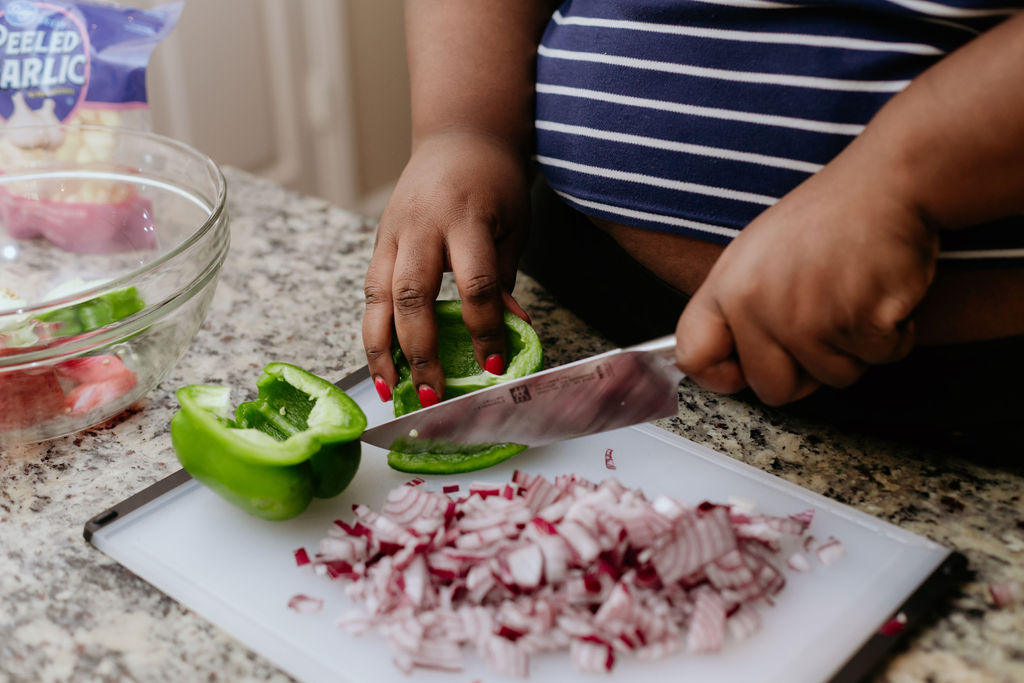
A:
<point x="953" y="141"/>
<point x="472" y="66"/>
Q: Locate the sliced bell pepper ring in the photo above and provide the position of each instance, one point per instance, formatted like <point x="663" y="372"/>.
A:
<point x="428" y="456"/>
<point x="298" y="440"/>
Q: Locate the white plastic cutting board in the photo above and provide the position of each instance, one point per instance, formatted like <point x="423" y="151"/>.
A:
<point x="239" y="571"/>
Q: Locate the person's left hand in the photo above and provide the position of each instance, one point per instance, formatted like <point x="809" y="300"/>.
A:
<point x="814" y="290"/>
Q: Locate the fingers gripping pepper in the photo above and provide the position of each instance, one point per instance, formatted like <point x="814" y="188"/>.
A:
<point x="462" y="375"/>
<point x="455" y="349"/>
<point x="298" y="440"/>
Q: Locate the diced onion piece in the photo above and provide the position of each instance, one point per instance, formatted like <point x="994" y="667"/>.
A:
<point x="831" y="551"/>
<point x="798" y="562"/>
<point x="303" y="604"/>
<point x="743" y="623"/>
<point x="706" y="631"/>
<point x="526" y="564"/>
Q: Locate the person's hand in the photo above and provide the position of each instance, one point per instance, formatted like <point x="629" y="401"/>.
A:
<point x="814" y="290"/>
<point x="461" y="204"/>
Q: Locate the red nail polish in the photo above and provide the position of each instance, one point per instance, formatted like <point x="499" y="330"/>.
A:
<point x="428" y="396"/>
<point x="494" y="364"/>
<point x="383" y="390"/>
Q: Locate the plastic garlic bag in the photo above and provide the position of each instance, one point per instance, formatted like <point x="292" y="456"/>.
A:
<point x="67" y="68"/>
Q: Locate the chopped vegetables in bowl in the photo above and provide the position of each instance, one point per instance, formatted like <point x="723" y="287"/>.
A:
<point x="107" y="269"/>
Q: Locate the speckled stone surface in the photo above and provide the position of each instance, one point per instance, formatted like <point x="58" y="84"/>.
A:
<point x="291" y="290"/>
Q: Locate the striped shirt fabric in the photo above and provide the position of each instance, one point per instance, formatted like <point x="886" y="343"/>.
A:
<point x="694" y="116"/>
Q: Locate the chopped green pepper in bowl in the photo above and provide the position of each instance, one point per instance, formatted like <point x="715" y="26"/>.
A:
<point x="298" y="440"/>
<point x="95" y="313"/>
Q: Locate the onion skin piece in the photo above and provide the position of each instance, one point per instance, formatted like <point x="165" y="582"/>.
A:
<point x="1006" y="593"/>
<point x="303" y="604"/>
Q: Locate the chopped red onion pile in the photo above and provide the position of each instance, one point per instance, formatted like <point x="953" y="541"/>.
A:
<point x="532" y="566"/>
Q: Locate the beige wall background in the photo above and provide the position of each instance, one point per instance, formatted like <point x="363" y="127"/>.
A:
<point x="313" y="94"/>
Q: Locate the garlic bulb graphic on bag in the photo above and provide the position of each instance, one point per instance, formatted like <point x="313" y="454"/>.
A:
<point x="27" y="122"/>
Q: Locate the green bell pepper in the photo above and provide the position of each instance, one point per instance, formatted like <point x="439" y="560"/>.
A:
<point x="95" y="313"/>
<point x="429" y="456"/>
<point x="462" y="376"/>
<point x="455" y="350"/>
<point x="298" y="440"/>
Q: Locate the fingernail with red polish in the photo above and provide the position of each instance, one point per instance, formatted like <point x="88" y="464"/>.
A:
<point x="428" y="396"/>
<point x="494" y="364"/>
<point x="383" y="390"/>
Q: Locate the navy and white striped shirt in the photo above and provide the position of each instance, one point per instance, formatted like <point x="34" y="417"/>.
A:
<point x="693" y="116"/>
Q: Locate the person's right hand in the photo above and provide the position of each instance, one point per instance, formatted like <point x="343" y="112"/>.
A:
<point x="461" y="204"/>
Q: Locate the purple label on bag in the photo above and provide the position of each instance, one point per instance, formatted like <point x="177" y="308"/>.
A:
<point x="44" y="60"/>
<point x="55" y="55"/>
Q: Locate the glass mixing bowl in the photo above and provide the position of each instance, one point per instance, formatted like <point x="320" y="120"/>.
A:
<point x="111" y="242"/>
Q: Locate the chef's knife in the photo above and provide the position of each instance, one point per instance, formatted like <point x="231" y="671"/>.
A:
<point x="615" y="389"/>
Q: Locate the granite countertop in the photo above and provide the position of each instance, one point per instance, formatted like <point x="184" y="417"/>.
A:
<point x="292" y="285"/>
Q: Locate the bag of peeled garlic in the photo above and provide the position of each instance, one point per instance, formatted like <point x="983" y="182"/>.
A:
<point x="69" y="71"/>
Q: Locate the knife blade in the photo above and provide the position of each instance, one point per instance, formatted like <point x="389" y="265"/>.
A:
<point x="614" y="389"/>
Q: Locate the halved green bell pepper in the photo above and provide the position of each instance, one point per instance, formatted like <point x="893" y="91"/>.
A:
<point x="298" y="440"/>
